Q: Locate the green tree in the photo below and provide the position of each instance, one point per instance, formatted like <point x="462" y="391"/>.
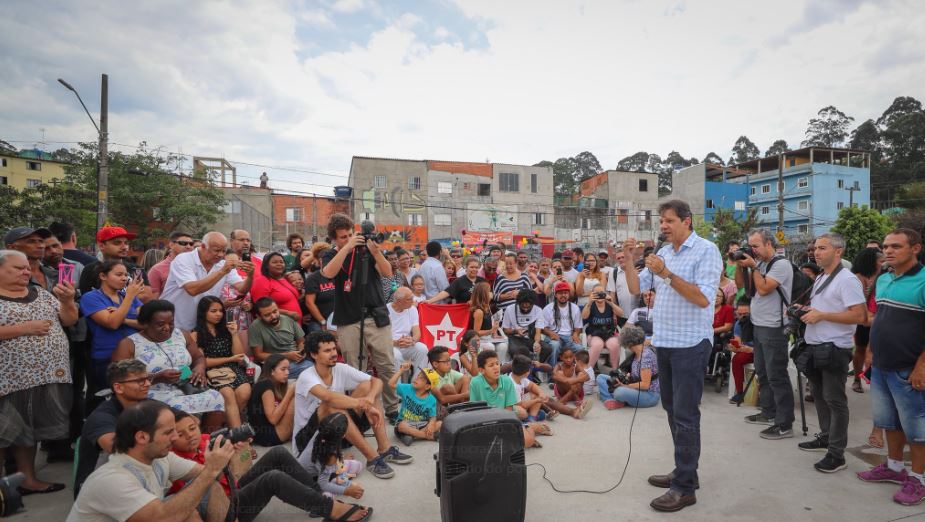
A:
<point x="727" y="228"/>
<point x="828" y="129"/>
<point x="635" y="163"/>
<point x="778" y="147"/>
<point x="567" y="173"/>
<point x="858" y="225"/>
<point x="912" y="196"/>
<point x="901" y="106"/>
<point x="866" y="137"/>
<point x="744" y="150"/>
<point x="713" y="157"/>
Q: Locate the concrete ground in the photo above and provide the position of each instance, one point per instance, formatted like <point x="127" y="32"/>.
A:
<point x="742" y="476"/>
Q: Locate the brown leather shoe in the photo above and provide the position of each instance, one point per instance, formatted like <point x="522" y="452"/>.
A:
<point x="661" y="481"/>
<point x="673" y="501"/>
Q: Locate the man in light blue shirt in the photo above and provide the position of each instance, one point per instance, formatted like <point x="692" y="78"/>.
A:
<point x="432" y="271"/>
<point x="685" y="273"/>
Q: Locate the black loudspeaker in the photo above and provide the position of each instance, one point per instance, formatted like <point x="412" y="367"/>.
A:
<point x="481" y="474"/>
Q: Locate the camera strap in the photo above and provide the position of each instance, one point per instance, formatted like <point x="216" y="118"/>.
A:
<point x="348" y="285"/>
<point x="825" y="283"/>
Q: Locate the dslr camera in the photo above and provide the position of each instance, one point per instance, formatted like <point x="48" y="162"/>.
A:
<point x="795" y="324"/>
<point x="368" y="231"/>
<point x="235" y="435"/>
<point x="740" y="254"/>
<point x="620" y="376"/>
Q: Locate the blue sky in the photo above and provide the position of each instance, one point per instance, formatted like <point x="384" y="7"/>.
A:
<point x="308" y="84"/>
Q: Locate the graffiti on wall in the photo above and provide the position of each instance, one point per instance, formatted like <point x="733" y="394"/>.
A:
<point x="399" y="201"/>
<point x="491" y="218"/>
<point x="407" y="237"/>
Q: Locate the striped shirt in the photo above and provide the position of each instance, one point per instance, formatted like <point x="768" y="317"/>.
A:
<point x="698" y="262"/>
<point x="897" y="334"/>
<point x="503" y="285"/>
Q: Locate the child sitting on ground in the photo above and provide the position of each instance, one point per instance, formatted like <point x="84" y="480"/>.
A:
<point x="336" y="471"/>
<point x="468" y="351"/>
<point x="417" y="416"/>
<point x="452" y="386"/>
<point x="534" y="404"/>
<point x="583" y="361"/>
<point x="497" y="390"/>
<point x="569" y="382"/>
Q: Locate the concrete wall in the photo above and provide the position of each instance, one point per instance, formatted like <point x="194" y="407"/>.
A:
<point x="688" y="185"/>
<point x="392" y="204"/>
<point x="250" y="209"/>
<point x="465" y="190"/>
<point x="527" y="201"/>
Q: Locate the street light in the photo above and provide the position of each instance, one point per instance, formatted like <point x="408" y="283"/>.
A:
<point x="102" y="180"/>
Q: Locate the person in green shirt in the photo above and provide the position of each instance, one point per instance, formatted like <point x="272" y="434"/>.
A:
<point x="497" y="390"/>
<point x="294" y="243"/>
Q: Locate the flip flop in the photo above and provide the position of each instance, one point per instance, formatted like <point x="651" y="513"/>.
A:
<point x="346" y="516"/>
<point x="541" y="428"/>
<point x="584" y="408"/>
<point x="874" y="442"/>
<point x="55" y="486"/>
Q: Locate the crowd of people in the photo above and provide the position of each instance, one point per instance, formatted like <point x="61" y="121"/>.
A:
<point x="129" y="369"/>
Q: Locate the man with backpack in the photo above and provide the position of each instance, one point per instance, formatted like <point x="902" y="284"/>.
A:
<point x="769" y="280"/>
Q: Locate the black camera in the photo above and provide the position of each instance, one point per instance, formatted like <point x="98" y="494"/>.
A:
<point x="368" y="231"/>
<point x="795" y="325"/>
<point x="620" y="376"/>
<point x="235" y="435"/>
<point x="600" y="295"/>
<point x="740" y="254"/>
<point x="246" y="255"/>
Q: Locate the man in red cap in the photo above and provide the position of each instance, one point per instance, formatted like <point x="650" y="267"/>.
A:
<point x="113" y="244"/>
<point x="563" y="322"/>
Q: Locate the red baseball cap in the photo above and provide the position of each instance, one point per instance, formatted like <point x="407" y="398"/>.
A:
<point x="562" y="286"/>
<point x="107" y="233"/>
<point x="568" y="253"/>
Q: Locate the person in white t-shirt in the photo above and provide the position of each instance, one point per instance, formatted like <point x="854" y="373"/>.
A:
<point x="322" y="390"/>
<point x="406" y="330"/>
<point x="563" y="322"/>
<point x="204" y="271"/>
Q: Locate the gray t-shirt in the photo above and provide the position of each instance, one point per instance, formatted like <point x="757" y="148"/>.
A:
<point x="767" y="309"/>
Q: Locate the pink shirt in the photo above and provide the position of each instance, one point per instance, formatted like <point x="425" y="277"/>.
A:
<point x="157" y="276"/>
<point x="280" y="291"/>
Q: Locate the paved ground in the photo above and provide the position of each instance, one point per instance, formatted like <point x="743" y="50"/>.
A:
<point x="743" y="477"/>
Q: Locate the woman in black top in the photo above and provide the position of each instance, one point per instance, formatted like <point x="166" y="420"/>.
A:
<point x="319" y="299"/>
<point x="600" y="316"/>
<point x="271" y="409"/>
<point x="224" y="354"/>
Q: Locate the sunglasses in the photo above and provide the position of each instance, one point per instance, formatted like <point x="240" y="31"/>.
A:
<point x="184" y="243"/>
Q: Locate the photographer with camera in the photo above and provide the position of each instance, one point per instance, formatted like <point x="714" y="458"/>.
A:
<point x="639" y="388"/>
<point x="837" y="306"/>
<point x="771" y="279"/>
<point x="356" y="303"/>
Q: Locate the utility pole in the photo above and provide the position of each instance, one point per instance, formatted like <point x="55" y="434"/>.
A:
<point x="780" y="193"/>
<point x="851" y="190"/>
<point x="102" y="181"/>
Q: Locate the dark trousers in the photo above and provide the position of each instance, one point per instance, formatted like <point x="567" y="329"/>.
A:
<point x="680" y="376"/>
<point x="771" y="361"/>
<point x="278" y="474"/>
<point x="831" y="399"/>
<point x="79" y="378"/>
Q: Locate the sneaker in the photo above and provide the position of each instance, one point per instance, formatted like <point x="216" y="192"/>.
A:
<point x="380" y="468"/>
<point x="396" y="457"/>
<point x="777" y="432"/>
<point x="403" y="437"/>
<point x="392" y="417"/>
<point x="831" y="464"/>
<point x="820" y="443"/>
<point x="759" y="418"/>
<point x="611" y="404"/>
<point x="912" y="493"/>
<point x="737" y="398"/>
<point x="883" y="473"/>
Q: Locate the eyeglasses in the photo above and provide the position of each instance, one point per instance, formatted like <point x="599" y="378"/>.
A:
<point x="455" y="256"/>
<point x="184" y="243"/>
<point x="139" y="381"/>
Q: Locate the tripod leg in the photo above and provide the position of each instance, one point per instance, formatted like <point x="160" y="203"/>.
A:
<point x="748" y="385"/>
<point x="802" y="405"/>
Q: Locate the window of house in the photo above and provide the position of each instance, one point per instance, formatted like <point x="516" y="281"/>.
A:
<point x="739" y="205"/>
<point x="33" y="165"/>
<point x="765" y="189"/>
<point x="765" y="211"/>
<point x="647" y="215"/>
<point x="368" y="216"/>
<point x="533" y="181"/>
<point x="3" y="180"/>
<point x="751" y="191"/>
<point x="803" y="205"/>
<point x="467" y="186"/>
<point x="485" y="189"/>
<point x="539" y="218"/>
<point x="643" y="185"/>
<point x="840" y="205"/>
<point x="803" y="229"/>
<point x="509" y="182"/>
<point x="841" y="183"/>
<point x="32" y="182"/>
<point x="379" y="182"/>
<point x="586" y="223"/>
<point x="802" y="182"/>
<point x="415" y="219"/>
<point x="444" y="187"/>
<point x="293" y="214"/>
<point x="622" y="215"/>
<point x="414" y="183"/>
<point x="2" y="162"/>
<point x="442" y="220"/>
<point x="709" y="203"/>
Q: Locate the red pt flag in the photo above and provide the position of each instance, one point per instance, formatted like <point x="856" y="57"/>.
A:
<point x="443" y="325"/>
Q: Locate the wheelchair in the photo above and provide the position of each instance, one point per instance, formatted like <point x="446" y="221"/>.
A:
<point x="718" y="365"/>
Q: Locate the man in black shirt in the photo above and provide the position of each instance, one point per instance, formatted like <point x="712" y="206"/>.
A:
<point x="129" y="381"/>
<point x="461" y="288"/>
<point x="68" y="238"/>
<point x="113" y="243"/>
<point x="319" y="297"/>
<point x="354" y="302"/>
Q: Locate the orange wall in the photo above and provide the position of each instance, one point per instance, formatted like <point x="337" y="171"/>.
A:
<point x="461" y="167"/>
<point x="325" y="208"/>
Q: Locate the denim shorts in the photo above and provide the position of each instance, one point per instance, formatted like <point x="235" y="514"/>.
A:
<point x="896" y="405"/>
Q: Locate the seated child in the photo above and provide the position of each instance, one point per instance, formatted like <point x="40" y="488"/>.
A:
<point x="468" y="351"/>
<point x="417" y="416"/>
<point x="497" y="390"/>
<point x="336" y="471"/>
<point x="583" y="360"/>
<point x="569" y="381"/>
<point x="535" y="405"/>
<point x="741" y="345"/>
<point x="417" y="289"/>
<point x="452" y="386"/>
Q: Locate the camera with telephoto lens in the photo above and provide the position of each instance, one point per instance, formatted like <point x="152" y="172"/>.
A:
<point x="795" y="324"/>
<point x="620" y="376"/>
<point x="368" y="231"/>
<point x="235" y="435"/>
<point x="740" y="254"/>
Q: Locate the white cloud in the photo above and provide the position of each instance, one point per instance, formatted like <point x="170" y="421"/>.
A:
<point x="348" y="6"/>
<point x="548" y="80"/>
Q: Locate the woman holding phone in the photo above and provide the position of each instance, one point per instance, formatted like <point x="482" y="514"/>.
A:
<point x="226" y="362"/>
<point x="589" y="277"/>
<point x="112" y="312"/>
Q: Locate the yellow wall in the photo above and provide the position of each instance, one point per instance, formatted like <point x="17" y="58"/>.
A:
<point x="17" y="174"/>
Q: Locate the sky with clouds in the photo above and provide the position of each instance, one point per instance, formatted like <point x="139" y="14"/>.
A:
<point x="306" y="85"/>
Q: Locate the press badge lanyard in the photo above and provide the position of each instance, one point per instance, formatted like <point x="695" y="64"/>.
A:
<point x="349" y="284"/>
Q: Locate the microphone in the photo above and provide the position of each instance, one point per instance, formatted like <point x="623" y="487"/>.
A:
<point x="661" y="242"/>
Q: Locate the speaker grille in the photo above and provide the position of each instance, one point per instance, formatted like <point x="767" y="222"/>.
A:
<point x="455" y="468"/>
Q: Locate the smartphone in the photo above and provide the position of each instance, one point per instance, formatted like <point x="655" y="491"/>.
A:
<point x="246" y="255"/>
<point x="558" y="271"/>
<point x="65" y="273"/>
<point x="138" y="273"/>
<point x="229" y="315"/>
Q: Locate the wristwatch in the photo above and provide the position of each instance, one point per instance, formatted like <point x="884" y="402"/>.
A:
<point x="667" y="278"/>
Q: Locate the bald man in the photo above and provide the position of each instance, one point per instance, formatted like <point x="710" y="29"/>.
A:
<point x="200" y="273"/>
<point x="406" y="332"/>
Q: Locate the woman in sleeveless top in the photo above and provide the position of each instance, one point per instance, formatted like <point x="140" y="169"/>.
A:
<point x="600" y="316"/>
<point x="224" y="352"/>
<point x="588" y="279"/>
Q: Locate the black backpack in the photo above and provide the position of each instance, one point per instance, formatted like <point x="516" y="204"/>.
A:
<point x="800" y="287"/>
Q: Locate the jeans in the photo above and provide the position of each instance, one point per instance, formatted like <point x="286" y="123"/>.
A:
<point x="680" y="375"/>
<point x="296" y="368"/>
<point x="897" y="405"/>
<point x="278" y="474"/>
<point x="771" y="361"/>
<point x="629" y="396"/>
<point x="560" y="344"/>
<point x="416" y="354"/>
<point x="828" y="385"/>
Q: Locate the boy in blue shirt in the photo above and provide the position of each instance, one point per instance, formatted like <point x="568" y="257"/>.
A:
<point x="417" y="416"/>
